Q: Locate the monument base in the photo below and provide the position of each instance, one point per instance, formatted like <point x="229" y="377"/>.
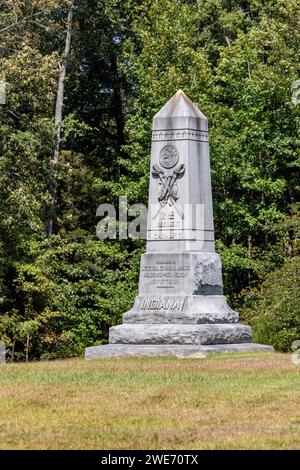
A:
<point x="230" y="333"/>
<point x="178" y="350"/>
<point x="180" y="311"/>
<point x="188" y="309"/>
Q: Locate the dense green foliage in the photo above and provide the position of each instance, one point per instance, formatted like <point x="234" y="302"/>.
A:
<point x="275" y="308"/>
<point x="238" y="61"/>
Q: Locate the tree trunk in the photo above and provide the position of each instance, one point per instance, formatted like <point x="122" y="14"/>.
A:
<point x="27" y="347"/>
<point x="61" y="85"/>
<point x="59" y="115"/>
<point x="118" y="105"/>
<point x="13" y="352"/>
<point x="118" y="111"/>
<point x="250" y="256"/>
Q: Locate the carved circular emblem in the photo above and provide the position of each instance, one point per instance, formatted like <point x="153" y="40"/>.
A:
<point x="168" y="156"/>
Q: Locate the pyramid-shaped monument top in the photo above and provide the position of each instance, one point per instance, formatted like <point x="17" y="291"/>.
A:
<point x="179" y="110"/>
<point x="179" y="105"/>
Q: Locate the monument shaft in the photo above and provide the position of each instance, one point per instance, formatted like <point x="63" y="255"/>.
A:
<point x="182" y="220"/>
<point x="180" y="308"/>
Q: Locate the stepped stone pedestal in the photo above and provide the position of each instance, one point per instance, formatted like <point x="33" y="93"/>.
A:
<point x="180" y="309"/>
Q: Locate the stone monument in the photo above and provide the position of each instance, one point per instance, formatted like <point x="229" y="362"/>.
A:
<point x="180" y="308"/>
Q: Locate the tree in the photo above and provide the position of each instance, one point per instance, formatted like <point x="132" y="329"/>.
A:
<point x="59" y="113"/>
<point x="72" y="307"/>
<point x="273" y="309"/>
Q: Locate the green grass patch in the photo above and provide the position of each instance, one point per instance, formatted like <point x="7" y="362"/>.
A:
<point x="229" y="401"/>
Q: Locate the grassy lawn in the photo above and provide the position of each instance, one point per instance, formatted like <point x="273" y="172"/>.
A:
<point x="248" y="401"/>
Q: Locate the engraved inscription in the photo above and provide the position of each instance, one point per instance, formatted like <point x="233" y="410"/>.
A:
<point x="163" y="304"/>
<point x="165" y="274"/>
<point x="169" y="226"/>
<point x="166" y="235"/>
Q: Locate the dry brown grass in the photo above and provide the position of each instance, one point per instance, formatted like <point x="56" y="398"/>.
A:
<point x="248" y="401"/>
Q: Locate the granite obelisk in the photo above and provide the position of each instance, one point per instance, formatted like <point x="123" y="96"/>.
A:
<point x="180" y="308"/>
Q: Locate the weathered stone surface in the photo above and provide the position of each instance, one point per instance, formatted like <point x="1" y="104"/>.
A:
<point x="207" y="274"/>
<point x="186" y="318"/>
<point x="179" y="334"/>
<point x="194" y="273"/>
<point x="180" y="309"/>
<point x="182" y="351"/>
